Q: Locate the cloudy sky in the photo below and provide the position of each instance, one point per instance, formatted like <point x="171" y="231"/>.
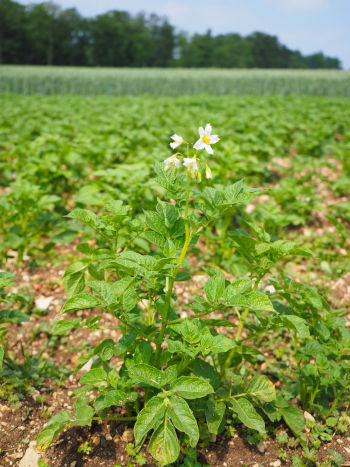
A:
<point x="307" y="25"/>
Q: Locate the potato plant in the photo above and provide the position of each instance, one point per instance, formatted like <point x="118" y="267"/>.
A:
<point x="184" y="377"/>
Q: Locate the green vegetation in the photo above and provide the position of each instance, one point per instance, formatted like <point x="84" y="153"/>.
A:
<point x="45" y="34"/>
<point x="261" y="339"/>
<point x="169" y="82"/>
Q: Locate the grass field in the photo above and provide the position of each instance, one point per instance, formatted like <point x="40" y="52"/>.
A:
<point x="214" y="313"/>
<point x="172" y="82"/>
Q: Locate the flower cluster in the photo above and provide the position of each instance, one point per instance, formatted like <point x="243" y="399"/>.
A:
<point x="206" y="139"/>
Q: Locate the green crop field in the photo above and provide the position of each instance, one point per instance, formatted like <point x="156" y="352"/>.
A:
<point x="171" y="82"/>
<point x="160" y="305"/>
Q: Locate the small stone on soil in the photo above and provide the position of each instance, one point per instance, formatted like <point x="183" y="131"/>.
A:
<point x="95" y="440"/>
<point x="31" y="457"/>
<point x="128" y="436"/>
<point x="277" y="463"/>
<point x="261" y="447"/>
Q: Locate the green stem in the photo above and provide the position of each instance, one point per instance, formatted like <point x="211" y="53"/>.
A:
<point x="117" y="419"/>
<point x="298" y="362"/>
<point x="149" y="312"/>
<point x="179" y="320"/>
<point x="242" y="321"/>
<point x="171" y="281"/>
<point x="241" y="324"/>
<point x="136" y="329"/>
<point x="334" y="405"/>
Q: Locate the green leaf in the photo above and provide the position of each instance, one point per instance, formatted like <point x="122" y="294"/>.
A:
<point x="13" y="316"/>
<point x="297" y="324"/>
<point x="83" y="411"/>
<point x="147" y="374"/>
<point x="189" y="329"/>
<point x="203" y="369"/>
<point x="94" y="376"/>
<point x="156" y="223"/>
<point x="164" y="445"/>
<point x="57" y="424"/>
<point x="6" y="279"/>
<point x="106" y="349"/>
<point x="238" y="193"/>
<point x="247" y="414"/>
<point x="129" y="299"/>
<point x="192" y="387"/>
<point x="214" y="287"/>
<point x="214" y="414"/>
<point x="64" y="325"/>
<point x="73" y="268"/>
<point x="240" y="286"/>
<point x="293" y="418"/>
<point x="262" y="388"/>
<point x="125" y="343"/>
<point x="216" y="344"/>
<point x="85" y="216"/>
<point x="183" y="419"/>
<point x="169" y="248"/>
<point x="112" y="398"/>
<point x="180" y="347"/>
<point x="168" y="212"/>
<point x="80" y="302"/>
<point x="143" y="353"/>
<point x="148" y="418"/>
<point x="253" y="300"/>
<point x="2" y="353"/>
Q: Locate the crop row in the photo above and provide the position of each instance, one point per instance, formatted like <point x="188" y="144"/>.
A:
<point x="171" y="82"/>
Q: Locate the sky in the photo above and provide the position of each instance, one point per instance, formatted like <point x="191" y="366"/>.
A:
<point x="306" y="25"/>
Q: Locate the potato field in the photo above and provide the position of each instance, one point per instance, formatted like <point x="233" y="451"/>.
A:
<point x="175" y="268"/>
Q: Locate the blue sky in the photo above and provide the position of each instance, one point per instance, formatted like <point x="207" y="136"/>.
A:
<point x="306" y="25"/>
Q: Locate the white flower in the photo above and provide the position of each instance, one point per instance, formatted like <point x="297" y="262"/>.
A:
<point x="206" y="139"/>
<point x="177" y="141"/>
<point x="172" y="162"/>
<point x="208" y="173"/>
<point x="191" y="164"/>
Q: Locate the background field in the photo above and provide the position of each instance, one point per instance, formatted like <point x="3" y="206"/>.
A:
<point x="172" y="82"/>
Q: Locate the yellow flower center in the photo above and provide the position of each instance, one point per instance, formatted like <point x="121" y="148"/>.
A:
<point x="206" y="140"/>
<point x="191" y="165"/>
<point x="172" y="162"/>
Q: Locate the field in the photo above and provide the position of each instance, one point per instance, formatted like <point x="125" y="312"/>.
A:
<point x="172" y="82"/>
<point x="160" y="317"/>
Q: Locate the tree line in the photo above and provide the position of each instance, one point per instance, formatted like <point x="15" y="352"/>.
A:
<point x="46" y="34"/>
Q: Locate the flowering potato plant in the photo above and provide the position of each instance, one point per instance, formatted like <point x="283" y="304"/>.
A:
<point x="182" y="376"/>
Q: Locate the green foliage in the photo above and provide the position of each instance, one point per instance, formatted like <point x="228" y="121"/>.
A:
<point x="188" y="372"/>
<point x="185" y="361"/>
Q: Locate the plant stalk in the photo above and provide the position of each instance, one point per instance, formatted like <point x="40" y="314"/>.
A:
<point x="117" y="419"/>
<point x="171" y="281"/>
<point x="242" y="321"/>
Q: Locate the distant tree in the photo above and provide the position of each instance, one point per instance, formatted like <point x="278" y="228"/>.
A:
<point x="12" y="32"/>
<point x="232" y="51"/>
<point x="44" y="33"/>
<point x="266" y="51"/>
<point x="319" y="60"/>
<point x="197" y="51"/>
<point x="163" y="41"/>
<point x="72" y="38"/>
<point x="42" y="25"/>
